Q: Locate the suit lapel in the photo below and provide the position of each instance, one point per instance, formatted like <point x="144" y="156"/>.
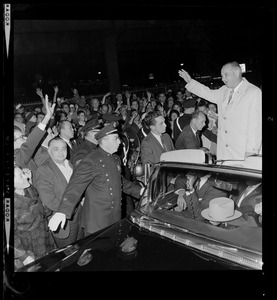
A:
<point x="195" y="137"/>
<point x="58" y="173"/>
<point x="250" y="197"/>
<point x="156" y="141"/>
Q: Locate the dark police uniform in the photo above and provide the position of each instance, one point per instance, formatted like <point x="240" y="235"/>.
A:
<point x="82" y="150"/>
<point x="86" y="146"/>
<point x="99" y="176"/>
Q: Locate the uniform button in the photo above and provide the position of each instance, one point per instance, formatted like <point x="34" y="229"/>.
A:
<point x="111" y="207"/>
<point x="100" y="160"/>
<point x="111" y="194"/>
<point x="103" y="166"/>
<point x="226" y="145"/>
<point x="225" y="131"/>
<point x="108" y="179"/>
<point x="107" y="175"/>
<point x="110" y="188"/>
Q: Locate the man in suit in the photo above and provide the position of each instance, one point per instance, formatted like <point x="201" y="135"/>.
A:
<point x="157" y="141"/>
<point x="249" y="202"/>
<point x="90" y="143"/>
<point x="239" y="112"/>
<point x="99" y="176"/>
<point x="195" y="190"/>
<point x="183" y="120"/>
<point x="51" y="180"/>
<point x="66" y="132"/>
<point x="189" y="137"/>
<point x="26" y="147"/>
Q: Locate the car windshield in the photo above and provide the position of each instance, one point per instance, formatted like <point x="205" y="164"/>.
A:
<point x="244" y="228"/>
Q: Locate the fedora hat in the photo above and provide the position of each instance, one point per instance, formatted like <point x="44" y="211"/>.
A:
<point x="221" y="209"/>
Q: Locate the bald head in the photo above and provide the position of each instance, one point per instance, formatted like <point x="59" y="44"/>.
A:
<point x="231" y="74"/>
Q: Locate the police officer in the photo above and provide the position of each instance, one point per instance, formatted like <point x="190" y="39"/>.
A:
<point x="99" y="176"/>
<point x="89" y="143"/>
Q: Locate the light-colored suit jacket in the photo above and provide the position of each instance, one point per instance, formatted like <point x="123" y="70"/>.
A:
<point x="239" y="123"/>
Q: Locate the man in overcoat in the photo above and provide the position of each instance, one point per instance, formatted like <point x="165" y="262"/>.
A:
<point x="51" y="179"/>
<point x="89" y="143"/>
<point x="239" y="105"/>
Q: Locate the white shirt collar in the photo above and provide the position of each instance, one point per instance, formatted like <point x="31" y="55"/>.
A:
<point x="203" y="180"/>
<point x="237" y="87"/>
<point x="194" y="131"/>
<point x="66" y="169"/>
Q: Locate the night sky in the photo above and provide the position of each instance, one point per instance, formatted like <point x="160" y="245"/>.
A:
<point x="58" y="41"/>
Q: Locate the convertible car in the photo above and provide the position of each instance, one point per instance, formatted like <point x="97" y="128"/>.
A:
<point x="159" y="235"/>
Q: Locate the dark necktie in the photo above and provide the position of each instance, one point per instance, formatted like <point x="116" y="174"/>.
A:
<point x="163" y="142"/>
<point x="72" y="144"/>
<point x="198" y="138"/>
<point x="230" y="96"/>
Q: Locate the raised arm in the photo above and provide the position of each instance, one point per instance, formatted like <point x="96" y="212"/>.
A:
<point x="40" y="94"/>
<point x="104" y="98"/>
<point x="49" y="111"/>
<point x="56" y="89"/>
<point x="185" y="75"/>
<point x="128" y="95"/>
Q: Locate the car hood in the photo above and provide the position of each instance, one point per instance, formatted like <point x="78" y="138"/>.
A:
<point x="125" y="246"/>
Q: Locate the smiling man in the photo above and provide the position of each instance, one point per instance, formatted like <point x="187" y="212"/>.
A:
<point x="51" y="180"/>
<point x="99" y="176"/>
<point x="239" y="105"/>
<point x="157" y="141"/>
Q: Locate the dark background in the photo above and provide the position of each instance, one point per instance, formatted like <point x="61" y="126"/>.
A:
<point x="65" y="45"/>
<point x="155" y="40"/>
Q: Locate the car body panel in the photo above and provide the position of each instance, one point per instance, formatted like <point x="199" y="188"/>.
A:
<point x="155" y="237"/>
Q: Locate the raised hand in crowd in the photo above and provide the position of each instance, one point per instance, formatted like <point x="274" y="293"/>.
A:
<point x="185" y="75"/>
<point x="145" y="102"/>
<point x="127" y="94"/>
<point x="39" y="93"/>
<point x="104" y="98"/>
<point x="148" y="95"/>
<point x="56" y="89"/>
<point x="49" y="110"/>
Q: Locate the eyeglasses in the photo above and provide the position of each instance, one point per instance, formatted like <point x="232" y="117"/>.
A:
<point x="20" y="137"/>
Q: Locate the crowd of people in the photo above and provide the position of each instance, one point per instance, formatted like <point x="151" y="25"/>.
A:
<point x="75" y="158"/>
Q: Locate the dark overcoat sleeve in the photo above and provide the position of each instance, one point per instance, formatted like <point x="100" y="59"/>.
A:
<point x="130" y="188"/>
<point x="210" y="135"/>
<point x="27" y="150"/>
<point x="147" y="155"/>
<point x="82" y="176"/>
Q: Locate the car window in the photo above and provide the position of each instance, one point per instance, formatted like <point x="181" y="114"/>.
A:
<point x="223" y="183"/>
